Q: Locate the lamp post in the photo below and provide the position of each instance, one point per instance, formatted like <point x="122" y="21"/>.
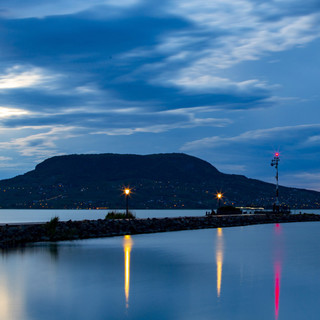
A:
<point x="219" y="196"/>
<point x="275" y="163"/>
<point x="126" y="192"/>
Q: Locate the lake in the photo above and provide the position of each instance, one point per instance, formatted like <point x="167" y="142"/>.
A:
<point x="39" y="215"/>
<point x="253" y="272"/>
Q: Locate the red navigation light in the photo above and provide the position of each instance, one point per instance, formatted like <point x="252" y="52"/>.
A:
<point x="277" y="154"/>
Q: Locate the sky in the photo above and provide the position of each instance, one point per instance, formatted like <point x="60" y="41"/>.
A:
<point x="231" y="82"/>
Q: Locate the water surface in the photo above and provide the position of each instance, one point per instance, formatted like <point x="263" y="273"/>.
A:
<point x="44" y="215"/>
<point x="39" y="215"/>
<point x="253" y="272"/>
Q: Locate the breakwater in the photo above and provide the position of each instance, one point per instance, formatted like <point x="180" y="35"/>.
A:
<point x="13" y="235"/>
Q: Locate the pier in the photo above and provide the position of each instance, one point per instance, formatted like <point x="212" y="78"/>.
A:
<point x="20" y="234"/>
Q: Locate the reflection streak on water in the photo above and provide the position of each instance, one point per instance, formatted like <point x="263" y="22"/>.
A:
<point x="219" y="259"/>
<point x="277" y="270"/>
<point x="11" y="301"/>
<point x="5" y="303"/>
<point x="127" y="245"/>
<point x="277" y="289"/>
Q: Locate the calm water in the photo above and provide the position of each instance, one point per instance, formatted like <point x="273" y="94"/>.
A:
<point x="17" y="216"/>
<point x="253" y="272"/>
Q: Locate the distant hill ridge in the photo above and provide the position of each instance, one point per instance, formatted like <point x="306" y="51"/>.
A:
<point x="168" y="180"/>
<point x="127" y="166"/>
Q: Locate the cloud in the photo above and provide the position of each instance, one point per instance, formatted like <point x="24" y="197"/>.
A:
<point x="206" y="83"/>
<point x="234" y="33"/>
<point x="251" y="152"/>
<point x="11" y="112"/>
<point x="22" y="77"/>
<point x="125" y="121"/>
<point x="43" y="8"/>
<point x="164" y="127"/>
<point x="309" y="180"/>
<point x="232" y="168"/>
<point x="178" y="60"/>
<point x="196" y="42"/>
<point x="313" y="140"/>
<point x="308" y="175"/>
<point x="40" y="145"/>
<point x="5" y="158"/>
<point x="299" y="136"/>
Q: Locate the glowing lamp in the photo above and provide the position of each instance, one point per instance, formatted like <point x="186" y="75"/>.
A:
<point x="126" y="192"/>
<point x="277" y="154"/>
<point x="219" y="196"/>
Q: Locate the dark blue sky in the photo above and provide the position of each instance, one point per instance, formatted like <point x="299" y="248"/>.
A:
<point x="228" y="81"/>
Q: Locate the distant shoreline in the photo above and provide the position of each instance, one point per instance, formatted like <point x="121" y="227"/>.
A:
<point x="21" y="234"/>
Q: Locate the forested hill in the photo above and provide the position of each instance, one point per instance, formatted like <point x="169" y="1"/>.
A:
<point x="162" y="181"/>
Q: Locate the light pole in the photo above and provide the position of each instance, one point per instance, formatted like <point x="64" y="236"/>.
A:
<point x="219" y="196"/>
<point x="275" y="163"/>
<point x="126" y="192"/>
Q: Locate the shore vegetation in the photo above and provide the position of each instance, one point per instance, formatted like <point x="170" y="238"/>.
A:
<point x="120" y="215"/>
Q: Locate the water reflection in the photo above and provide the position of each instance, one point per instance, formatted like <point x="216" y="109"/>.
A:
<point x="277" y="289"/>
<point x="127" y="245"/>
<point x="54" y="251"/>
<point x="219" y="259"/>
<point x="12" y="300"/>
<point x="7" y="309"/>
<point x="277" y="269"/>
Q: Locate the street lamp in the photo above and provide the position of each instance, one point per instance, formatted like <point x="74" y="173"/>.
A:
<point x="126" y="192"/>
<point x="219" y="196"/>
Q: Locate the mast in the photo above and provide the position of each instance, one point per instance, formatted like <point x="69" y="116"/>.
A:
<point x="275" y="163"/>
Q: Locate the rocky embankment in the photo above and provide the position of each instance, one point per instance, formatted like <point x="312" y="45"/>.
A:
<point x="13" y="235"/>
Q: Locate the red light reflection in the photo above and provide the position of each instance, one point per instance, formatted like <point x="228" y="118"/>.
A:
<point x="277" y="268"/>
<point x="277" y="288"/>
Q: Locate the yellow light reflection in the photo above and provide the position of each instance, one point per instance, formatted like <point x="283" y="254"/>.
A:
<point x="11" y="299"/>
<point x="219" y="259"/>
<point x="127" y="245"/>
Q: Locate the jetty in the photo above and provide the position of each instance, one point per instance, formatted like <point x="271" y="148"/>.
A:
<point x="55" y="230"/>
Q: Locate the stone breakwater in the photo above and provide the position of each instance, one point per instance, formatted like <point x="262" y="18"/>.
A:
<point x="13" y="235"/>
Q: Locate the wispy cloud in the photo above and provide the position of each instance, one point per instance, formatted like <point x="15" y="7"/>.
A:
<point x="40" y="145"/>
<point x="5" y="158"/>
<point x="309" y="180"/>
<point x="196" y="122"/>
<point x="41" y="9"/>
<point x="23" y="77"/>
<point x="230" y="33"/>
<point x="12" y="112"/>
<point x="299" y="135"/>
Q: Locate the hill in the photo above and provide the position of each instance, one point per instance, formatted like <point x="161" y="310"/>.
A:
<point x="158" y="181"/>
